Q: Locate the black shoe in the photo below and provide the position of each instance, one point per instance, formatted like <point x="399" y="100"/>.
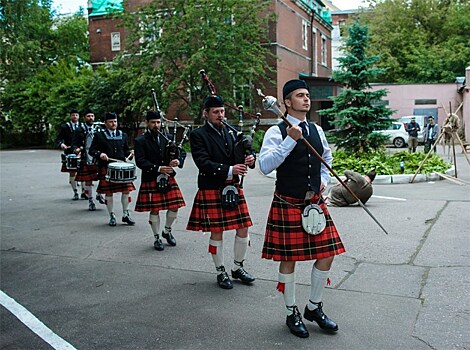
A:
<point x="91" y="206"/>
<point x="158" y="244"/>
<point x="319" y="317"/>
<point x="75" y="196"/>
<point x="83" y="196"/>
<point x="223" y="280"/>
<point x="296" y="325"/>
<point x="128" y="220"/>
<point x="243" y="276"/>
<point x="100" y="199"/>
<point x="169" y="238"/>
<point x="112" y="220"/>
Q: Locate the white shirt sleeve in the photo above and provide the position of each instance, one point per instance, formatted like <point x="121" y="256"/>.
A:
<point x="274" y="149"/>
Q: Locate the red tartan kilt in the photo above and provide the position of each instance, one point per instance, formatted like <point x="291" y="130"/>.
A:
<point x="108" y="188"/>
<point x="149" y="199"/>
<point x="285" y="239"/>
<point x="63" y="169"/>
<point x="207" y="214"/>
<point x="87" y="173"/>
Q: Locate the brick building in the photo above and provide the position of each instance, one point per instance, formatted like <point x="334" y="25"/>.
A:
<point x="300" y="39"/>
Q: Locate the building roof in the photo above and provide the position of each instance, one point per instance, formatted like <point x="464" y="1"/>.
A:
<point x="104" y="7"/>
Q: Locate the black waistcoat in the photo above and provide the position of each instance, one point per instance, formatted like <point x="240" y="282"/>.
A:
<point x="300" y="171"/>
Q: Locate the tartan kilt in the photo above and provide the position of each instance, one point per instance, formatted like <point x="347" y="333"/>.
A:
<point x="87" y="172"/>
<point x="207" y="214"/>
<point x="108" y="188"/>
<point x="149" y="199"/>
<point x="285" y="239"/>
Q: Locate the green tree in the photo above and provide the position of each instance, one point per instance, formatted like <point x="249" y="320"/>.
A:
<point x="174" y="40"/>
<point x="358" y="111"/>
<point x="419" y="41"/>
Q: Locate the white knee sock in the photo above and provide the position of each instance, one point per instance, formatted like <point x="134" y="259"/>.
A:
<point x="216" y="248"/>
<point x="318" y="282"/>
<point x="240" y="247"/>
<point x="154" y="221"/>
<point x="89" y="192"/>
<point x="170" y="218"/>
<point x="110" y="203"/>
<point x="125" y="203"/>
<point x="286" y="286"/>
<point x="73" y="183"/>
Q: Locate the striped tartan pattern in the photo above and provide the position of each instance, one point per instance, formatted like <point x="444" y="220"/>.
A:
<point x="87" y="173"/>
<point x="108" y="188"/>
<point x="285" y="239"/>
<point x="207" y="214"/>
<point x="149" y="199"/>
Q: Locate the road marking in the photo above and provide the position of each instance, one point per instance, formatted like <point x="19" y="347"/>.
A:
<point x="33" y="323"/>
<point x="392" y="198"/>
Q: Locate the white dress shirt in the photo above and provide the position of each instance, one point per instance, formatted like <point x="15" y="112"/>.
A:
<point x="275" y="150"/>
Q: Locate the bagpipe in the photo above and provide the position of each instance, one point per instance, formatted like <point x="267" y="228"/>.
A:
<point x="173" y="148"/>
<point x="243" y="144"/>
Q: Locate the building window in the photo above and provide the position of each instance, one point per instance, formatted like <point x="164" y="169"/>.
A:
<point x="115" y="41"/>
<point x="304" y="34"/>
<point x="324" y="50"/>
<point x="314" y="51"/>
<point x="425" y="101"/>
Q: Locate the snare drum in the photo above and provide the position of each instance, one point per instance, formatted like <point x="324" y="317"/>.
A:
<point x="72" y="162"/>
<point x="120" y="172"/>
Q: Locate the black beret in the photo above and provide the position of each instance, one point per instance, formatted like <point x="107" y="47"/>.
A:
<point x="74" y="111"/>
<point x="88" y="111"/>
<point x="213" y="101"/>
<point x="153" y="115"/>
<point x="110" y="115"/>
<point x="292" y="85"/>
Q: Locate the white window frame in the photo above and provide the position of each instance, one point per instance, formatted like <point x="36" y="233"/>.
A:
<point x="304" y="34"/>
<point x="115" y="41"/>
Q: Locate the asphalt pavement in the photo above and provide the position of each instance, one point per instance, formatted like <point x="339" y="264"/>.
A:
<point x="100" y="287"/>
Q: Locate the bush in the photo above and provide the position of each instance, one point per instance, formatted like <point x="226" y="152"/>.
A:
<point x="385" y="164"/>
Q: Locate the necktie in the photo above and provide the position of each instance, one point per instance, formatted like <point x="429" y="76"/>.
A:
<point x="303" y="126"/>
<point x="114" y="135"/>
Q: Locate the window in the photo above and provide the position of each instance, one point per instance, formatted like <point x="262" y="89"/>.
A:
<point x="304" y="34"/>
<point x="324" y="50"/>
<point x="425" y="101"/>
<point x="115" y="41"/>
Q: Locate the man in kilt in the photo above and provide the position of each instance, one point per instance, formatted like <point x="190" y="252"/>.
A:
<point x="212" y="148"/>
<point x="300" y="181"/>
<point x="64" y="142"/>
<point x="158" y="189"/>
<point x="88" y="170"/>
<point x="112" y="143"/>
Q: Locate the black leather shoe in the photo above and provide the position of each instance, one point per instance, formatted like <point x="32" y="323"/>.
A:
<point x="128" y="220"/>
<point x="112" y="220"/>
<point x="243" y="276"/>
<point x="158" y="244"/>
<point x="91" y="206"/>
<point x="100" y="199"/>
<point x="83" y="196"/>
<point x="224" y="281"/>
<point x="169" y="238"/>
<point x="75" y="196"/>
<point x="296" y="325"/>
<point x="320" y="318"/>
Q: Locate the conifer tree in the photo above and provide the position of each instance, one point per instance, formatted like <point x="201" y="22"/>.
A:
<point x="357" y="110"/>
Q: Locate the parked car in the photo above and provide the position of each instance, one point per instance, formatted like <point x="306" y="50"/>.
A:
<point x="397" y="134"/>
<point x="421" y="120"/>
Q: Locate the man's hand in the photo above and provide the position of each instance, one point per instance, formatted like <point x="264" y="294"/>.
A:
<point x="295" y="132"/>
<point x="174" y="163"/>
<point x="104" y="156"/>
<point x="239" y="169"/>
<point x="63" y="146"/>
<point x="166" y="170"/>
<point x="250" y="160"/>
<point x="131" y="155"/>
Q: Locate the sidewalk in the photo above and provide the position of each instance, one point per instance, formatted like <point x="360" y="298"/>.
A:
<point x="100" y="287"/>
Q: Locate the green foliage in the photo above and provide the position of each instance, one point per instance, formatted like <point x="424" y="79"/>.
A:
<point x="357" y="110"/>
<point x="224" y="38"/>
<point x="385" y="164"/>
<point x="258" y="140"/>
<point x="420" y="41"/>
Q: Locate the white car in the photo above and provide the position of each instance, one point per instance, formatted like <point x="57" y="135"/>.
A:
<point x="397" y="134"/>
